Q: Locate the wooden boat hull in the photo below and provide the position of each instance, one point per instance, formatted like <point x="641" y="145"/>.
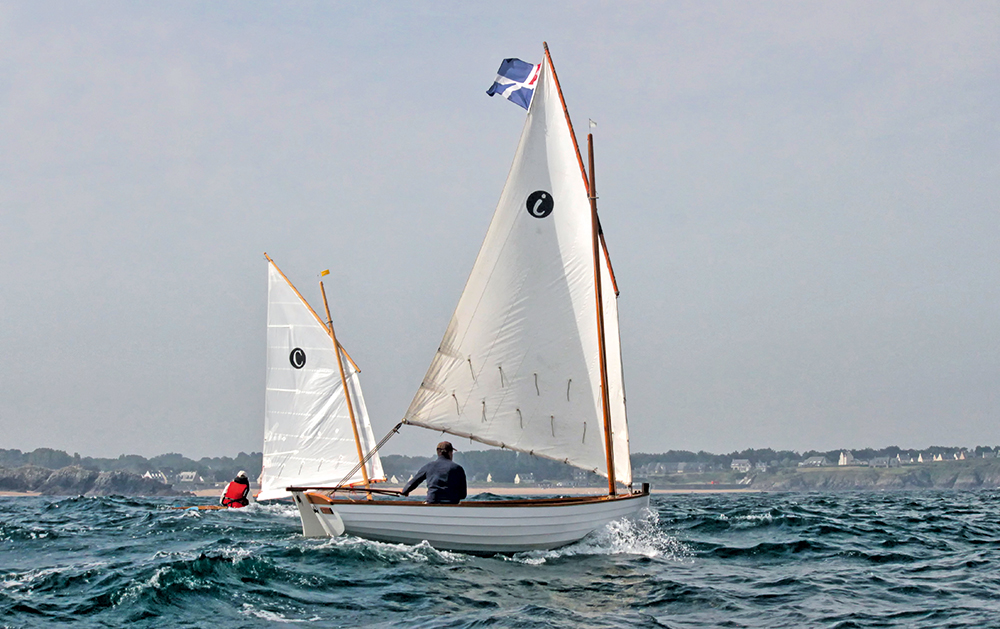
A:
<point x="503" y="526"/>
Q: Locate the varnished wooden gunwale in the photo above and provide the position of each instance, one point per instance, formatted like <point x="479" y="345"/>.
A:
<point x="322" y="499"/>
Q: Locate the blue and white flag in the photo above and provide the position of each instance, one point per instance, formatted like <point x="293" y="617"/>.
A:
<point x="516" y="81"/>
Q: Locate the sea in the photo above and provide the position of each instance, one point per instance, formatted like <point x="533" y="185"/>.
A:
<point x="852" y="559"/>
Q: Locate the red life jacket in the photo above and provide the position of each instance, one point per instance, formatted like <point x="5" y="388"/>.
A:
<point x="236" y="495"/>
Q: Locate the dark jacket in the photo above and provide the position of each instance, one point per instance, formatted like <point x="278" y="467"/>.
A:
<point x="445" y="481"/>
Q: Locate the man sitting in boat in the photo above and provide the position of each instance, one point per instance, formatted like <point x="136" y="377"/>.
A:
<point x="237" y="493"/>
<point x="445" y="478"/>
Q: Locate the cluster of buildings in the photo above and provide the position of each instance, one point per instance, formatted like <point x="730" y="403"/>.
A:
<point x="847" y="460"/>
<point x="181" y="477"/>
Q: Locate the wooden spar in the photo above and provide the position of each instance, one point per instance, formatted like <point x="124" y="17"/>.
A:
<point x="309" y="308"/>
<point x="596" y="229"/>
<point x="609" y="446"/>
<point x="607" y="258"/>
<point x="347" y="391"/>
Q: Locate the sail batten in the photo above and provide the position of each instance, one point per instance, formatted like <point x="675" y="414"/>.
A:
<point x="519" y="366"/>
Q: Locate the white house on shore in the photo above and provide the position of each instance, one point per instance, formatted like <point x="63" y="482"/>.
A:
<point x="740" y="465"/>
<point x="160" y="476"/>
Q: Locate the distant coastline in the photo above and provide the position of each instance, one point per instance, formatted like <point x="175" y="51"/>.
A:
<point x="52" y="472"/>
<point x="73" y="480"/>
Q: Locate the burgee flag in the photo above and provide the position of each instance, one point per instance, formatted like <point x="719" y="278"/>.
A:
<point x="515" y="81"/>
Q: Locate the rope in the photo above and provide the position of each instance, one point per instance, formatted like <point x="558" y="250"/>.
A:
<point x="368" y="456"/>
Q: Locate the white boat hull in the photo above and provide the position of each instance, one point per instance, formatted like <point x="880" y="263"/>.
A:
<point x="472" y="526"/>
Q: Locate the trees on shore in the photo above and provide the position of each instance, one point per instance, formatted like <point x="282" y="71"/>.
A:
<point x="213" y="469"/>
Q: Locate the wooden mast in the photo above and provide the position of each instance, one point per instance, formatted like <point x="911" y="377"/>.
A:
<point x="605" y="401"/>
<point x="347" y="392"/>
<point x="596" y="230"/>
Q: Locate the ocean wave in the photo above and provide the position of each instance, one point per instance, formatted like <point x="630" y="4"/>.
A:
<point x="742" y="560"/>
<point x="357" y="549"/>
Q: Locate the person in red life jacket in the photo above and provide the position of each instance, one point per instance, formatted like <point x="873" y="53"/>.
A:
<point x="237" y="493"/>
<point x="445" y="478"/>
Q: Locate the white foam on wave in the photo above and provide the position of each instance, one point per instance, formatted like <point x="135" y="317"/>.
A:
<point x="749" y="520"/>
<point x="238" y="553"/>
<point x="280" y="509"/>
<point x="273" y="617"/>
<point x="640" y="536"/>
<point x="25" y="581"/>
<point x="134" y="590"/>
<point x="421" y="553"/>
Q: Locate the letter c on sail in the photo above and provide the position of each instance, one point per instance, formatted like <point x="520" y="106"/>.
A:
<point x="297" y="358"/>
<point x="540" y="204"/>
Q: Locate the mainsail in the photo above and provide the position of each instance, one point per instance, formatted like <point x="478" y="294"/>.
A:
<point x="519" y="366"/>
<point x="308" y="438"/>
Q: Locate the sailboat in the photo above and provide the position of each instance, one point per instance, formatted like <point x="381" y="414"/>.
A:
<point x="316" y="425"/>
<point x="530" y="362"/>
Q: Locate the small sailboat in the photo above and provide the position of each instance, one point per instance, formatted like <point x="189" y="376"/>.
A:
<point x="531" y="362"/>
<point x="316" y="426"/>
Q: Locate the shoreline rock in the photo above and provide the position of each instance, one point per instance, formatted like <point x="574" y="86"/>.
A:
<point x="77" y="481"/>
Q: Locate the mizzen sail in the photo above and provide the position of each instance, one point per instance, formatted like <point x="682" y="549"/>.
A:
<point x="308" y="439"/>
<point x="519" y="366"/>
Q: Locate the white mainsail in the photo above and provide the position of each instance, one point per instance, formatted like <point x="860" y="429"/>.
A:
<point x="308" y="438"/>
<point x="519" y="366"/>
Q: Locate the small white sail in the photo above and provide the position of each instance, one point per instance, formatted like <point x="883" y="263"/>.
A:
<point x="308" y="438"/>
<point x="519" y="366"/>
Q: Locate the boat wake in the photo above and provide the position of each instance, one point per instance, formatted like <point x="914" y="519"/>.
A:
<point x="280" y="509"/>
<point x="639" y="536"/>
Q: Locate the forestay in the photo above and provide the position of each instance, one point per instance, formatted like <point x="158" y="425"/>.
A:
<point x="308" y="439"/>
<point x="519" y="365"/>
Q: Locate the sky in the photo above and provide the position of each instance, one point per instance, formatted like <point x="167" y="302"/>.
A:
<point x="801" y="201"/>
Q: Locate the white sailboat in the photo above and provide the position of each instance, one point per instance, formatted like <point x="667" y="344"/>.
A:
<point x="531" y="362"/>
<point x="316" y="426"/>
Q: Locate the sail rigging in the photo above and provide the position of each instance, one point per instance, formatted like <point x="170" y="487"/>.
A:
<point x="308" y="437"/>
<point x="520" y="365"/>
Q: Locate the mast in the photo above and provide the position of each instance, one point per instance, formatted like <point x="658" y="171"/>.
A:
<point x="347" y="392"/>
<point x="605" y="402"/>
<point x="596" y="245"/>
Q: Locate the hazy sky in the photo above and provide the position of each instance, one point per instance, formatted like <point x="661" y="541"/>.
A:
<point x="801" y="200"/>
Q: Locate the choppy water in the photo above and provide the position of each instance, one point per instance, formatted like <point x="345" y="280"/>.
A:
<point x="906" y="559"/>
